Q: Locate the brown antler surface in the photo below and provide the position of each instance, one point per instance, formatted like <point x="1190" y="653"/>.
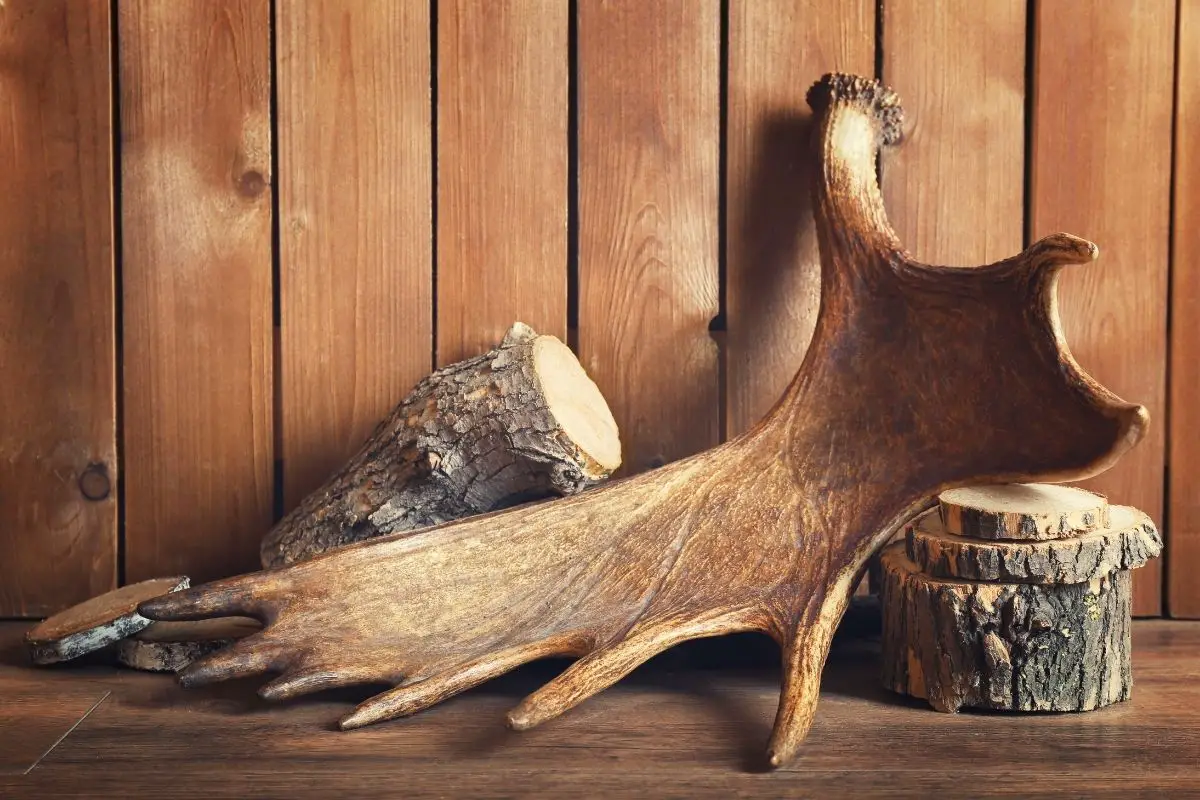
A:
<point x="918" y="379"/>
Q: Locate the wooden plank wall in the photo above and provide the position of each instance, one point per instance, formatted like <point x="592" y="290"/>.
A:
<point x="355" y="209"/>
<point x="1101" y="169"/>
<point x="58" y="451"/>
<point x="1183" y="433"/>
<point x="315" y="202"/>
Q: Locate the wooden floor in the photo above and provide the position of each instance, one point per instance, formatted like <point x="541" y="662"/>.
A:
<point x="691" y="724"/>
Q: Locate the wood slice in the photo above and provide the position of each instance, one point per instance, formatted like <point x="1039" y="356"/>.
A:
<point x="519" y="423"/>
<point x="96" y="623"/>
<point x="171" y="646"/>
<point x="1036" y="511"/>
<point x="1131" y="540"/>
<point x="1010" y="647"/>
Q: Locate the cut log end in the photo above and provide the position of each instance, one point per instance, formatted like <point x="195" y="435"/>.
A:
<point x="575" y="403"/>
<point x="1023" y="511"/>
<point x="97" y="622"/>
<point x="1008" y="647"/>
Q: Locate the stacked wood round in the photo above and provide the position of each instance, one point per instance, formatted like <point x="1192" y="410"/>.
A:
<point x="1014" y="597"/>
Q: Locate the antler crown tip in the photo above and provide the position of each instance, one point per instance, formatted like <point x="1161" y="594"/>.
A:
<point x="868" y="93"/>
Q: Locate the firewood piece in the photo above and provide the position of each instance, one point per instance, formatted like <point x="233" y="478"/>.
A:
<point x="97" y="622"/>
<point x="767" y="532"/>
<point x="1028" y="511"/>
<point x="1010" y="647"/>
<point x="171" y="646"/>
<point x="1131" y="540"/>
<point x="521" y="422"/>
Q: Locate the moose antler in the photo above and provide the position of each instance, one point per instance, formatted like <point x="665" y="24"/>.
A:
<point x="918" y="379"/>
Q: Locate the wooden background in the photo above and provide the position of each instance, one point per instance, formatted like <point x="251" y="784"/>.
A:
<point x="233" y="233"/>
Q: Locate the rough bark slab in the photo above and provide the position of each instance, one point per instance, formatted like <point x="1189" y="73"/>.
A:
<point x="1035" y="511"/>
<point x="520" y="422"/>
<point x="171" y="646"/>
<point x="1011" y="647"/>
<point x="97" y="622"/>
<point x="1128" y="543"/>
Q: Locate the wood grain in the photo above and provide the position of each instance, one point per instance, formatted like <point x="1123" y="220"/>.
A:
<point x="1101" y="168"/>
<point x="57" y="393"/>
<point x="1183" y="516"/>
<point x="901" y="396"/>
<point x="355" y="203"/>
<point x="773" y="277"/>
<point x="956" y="189"/>
<point x="683" y="727"/>
<point x="649" y="129"/>
<point x="196" y="225"/>
<point x="501" y="171"/>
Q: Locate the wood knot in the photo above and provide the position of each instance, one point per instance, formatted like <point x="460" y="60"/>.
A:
<point x="94" y="482"/>
<point x="251" y="184"/>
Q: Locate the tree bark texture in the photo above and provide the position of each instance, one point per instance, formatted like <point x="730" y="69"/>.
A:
<point x="1010" y="647"/>
<point x="1131" y="540"/>
<point x="96" y="623"/>
<point x="473" y="437"/>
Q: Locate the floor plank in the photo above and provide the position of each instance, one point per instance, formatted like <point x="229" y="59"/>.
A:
<point x="691" y="724"/>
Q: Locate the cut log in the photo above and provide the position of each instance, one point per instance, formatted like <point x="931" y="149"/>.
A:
<point x="171" y="646"/>
<point x="1010" y="647"/>
<point x="521" y="422"/>
<point x="96" y="623"/>
<point x="768" y="532"/>
<point x="1131" y="540"/>
<point x="1036" y="511"/>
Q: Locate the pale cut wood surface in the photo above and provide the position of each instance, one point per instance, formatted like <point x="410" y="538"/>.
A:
<point x="196" y="209"/>
<point x="355" y="172"/>
<point x="501" y="171"/>
<point x="1182" y="525"/>
<point x="777" y="48"/>
<point x="685" y="726"/>
<point x="649" y="130"/>
<point x="956" y="189"/>
<point x="1101" y="169"/>
<point x="1022" y="511"/>
<point x="57" y="370"/>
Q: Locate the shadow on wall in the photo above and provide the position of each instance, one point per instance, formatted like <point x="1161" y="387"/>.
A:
<point x="774" y="276"/>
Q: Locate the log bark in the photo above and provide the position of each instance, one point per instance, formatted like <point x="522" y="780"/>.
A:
<point x="171" y="646"/>
<point x="519" y="423"/>
<point x="768" y="532"/>
<point x="1029" y="511"/>
<point x="96" y="623"/>
<point x="1129" y="542"/>
<point x="1010" y="647"/>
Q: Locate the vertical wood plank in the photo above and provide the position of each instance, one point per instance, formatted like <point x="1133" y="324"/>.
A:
<point x="57" y="390"/>
<point x="1183" y="515"/>
<point x="501" y="171"/>
<point x="196" y="215"/>
<point x="777" y="49"/>
<point x="1102" y="169"/>
<point x="955" y="188"/>
<point x="649" y="128"/>
<point x="355" y="220"/>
